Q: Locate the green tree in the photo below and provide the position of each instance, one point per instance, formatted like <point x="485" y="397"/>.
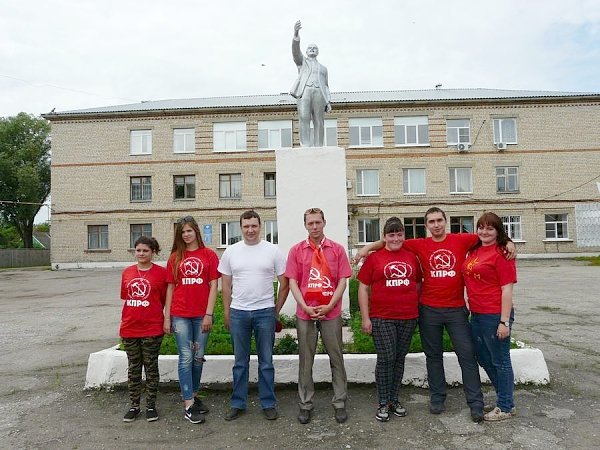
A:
<point x="24" y="171"/>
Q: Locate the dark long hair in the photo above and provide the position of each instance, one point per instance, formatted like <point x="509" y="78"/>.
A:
<point x="492" y="220"/>
<point x="179" y="246"/>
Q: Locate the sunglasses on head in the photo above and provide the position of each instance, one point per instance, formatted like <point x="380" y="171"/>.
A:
<point x="186" y="219"/>
<point x="313" y="211"/>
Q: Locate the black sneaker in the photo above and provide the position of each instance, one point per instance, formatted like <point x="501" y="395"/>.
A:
<point x="383" y="413"/>
<point x="397" y="409"/>
<point x="193" y="416"/>
<point x="151" y="414"/>
<point x="477" y="415"/>
<point x="199" y="407"/>
<point x="131" y="415"/>
<point x="436" y="408"/>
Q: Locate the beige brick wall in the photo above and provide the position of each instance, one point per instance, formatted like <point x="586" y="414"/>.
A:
<point x="558" y="149"/>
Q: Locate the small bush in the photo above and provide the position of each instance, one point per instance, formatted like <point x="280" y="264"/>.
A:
<point x="287" y="321"/>
<point x="287" y="345"/>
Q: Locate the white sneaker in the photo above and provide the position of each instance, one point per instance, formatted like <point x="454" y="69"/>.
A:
<point x="496" y="414"/>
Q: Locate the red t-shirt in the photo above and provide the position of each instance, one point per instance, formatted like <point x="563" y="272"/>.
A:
<point x="143" y="294"/>
<point x="485" y="271"/>
<point x="393" y="277"/>
<point x="196" y="270"/>
<point x="441" y="263"/>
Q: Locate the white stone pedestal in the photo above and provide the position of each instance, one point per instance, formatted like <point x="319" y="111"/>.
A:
<point x="311" y="177"/>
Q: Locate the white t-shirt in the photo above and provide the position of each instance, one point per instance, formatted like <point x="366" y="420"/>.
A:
<point x="253" y="269"/>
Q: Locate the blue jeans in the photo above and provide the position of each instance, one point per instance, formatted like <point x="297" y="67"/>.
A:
<point x="494" y="356"/>
<point x="191" y="343"/>
<point x="241" y="325"/>
<point x="431" y="327"/>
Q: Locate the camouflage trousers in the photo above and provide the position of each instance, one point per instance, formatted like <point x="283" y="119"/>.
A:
<point x="143" y="352"/>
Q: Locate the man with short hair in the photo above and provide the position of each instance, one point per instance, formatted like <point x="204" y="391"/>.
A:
<point x="249" y="268"/>
<point x="317" y="269"/>
<point x="442" y="305"/>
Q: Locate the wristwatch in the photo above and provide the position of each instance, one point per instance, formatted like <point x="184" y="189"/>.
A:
<point x="505" y="323"/>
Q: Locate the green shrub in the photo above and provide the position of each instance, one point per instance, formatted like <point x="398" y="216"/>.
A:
<point x="287" y="345"/>
<point x="287" y="321"/>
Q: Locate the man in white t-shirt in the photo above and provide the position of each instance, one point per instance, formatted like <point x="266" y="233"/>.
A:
<point x="249" y="268"/>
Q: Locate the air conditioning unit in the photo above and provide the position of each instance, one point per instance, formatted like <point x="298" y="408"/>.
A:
<point x="501" y="146"/>
<point x="463" y="147"/>
<point x="348" y="184"/>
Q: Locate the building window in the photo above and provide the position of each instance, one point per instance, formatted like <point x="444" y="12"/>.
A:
<point x="413" y="181"/>
<point x="273" y="134"/>
<point x="141" y="189"/>
<point x="461" y="224"/>
<point x="230" y="233"/>
<point x="270" y="184"/>
<point x="184" y="187"/>
<point x="97" y="237"/>
<point x="229" y="136"/>
<point x="366" y="132"/>
<point x="411" y="130"/>
<point x="556" y="226"/>
<point x="461" y="180"/>
<point x="330" y="127"/>
<point x="512" y="225"/>
<point x="505" y="130"/>
<point x="141" y="142"/>
<point x="138" y="230"/>
<point x="271" y="231"/>
<point x="367" y="182"/>
<point x="458" y="131"/>
<point x="230" y="185"/>
<point x="368" y="230"/>
<point x="184" y="140"/>
<point x="507" y="179"/>
<point x="414" y="227"/>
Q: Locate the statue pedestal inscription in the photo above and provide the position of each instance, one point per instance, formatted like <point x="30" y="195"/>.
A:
<point x="311" y="177"/>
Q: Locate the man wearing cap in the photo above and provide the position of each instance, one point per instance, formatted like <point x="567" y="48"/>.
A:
<point x="317" y="269"/>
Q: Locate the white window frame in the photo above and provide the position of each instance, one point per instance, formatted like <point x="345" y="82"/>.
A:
<point x="368" y="131"/>
<point x="362" y="230"/>
<point x="509" y="175"/>
<point x="513" y="226"/>
<point x="363" y="181"/>
<point x="415" y="130"/>
<point x="458" y="126"/>
<point x="230" y="230"/>
<point x="101" y="234"/>
<point x="234" y="180"/>
<point x="453" y="180"/>
<point x="141" y="229"/>
<point x="330" y="132"/>
<point x="556" y="222"/>
<point x="188" y="180"/>
<point x="145" y="188"/>
<point x="271" y="232"/>
<point x="501" y="134"/>
<point x="409" y="185"/>
<point x="184" y="140"/>
<point x="277" y="133"/>
<point x="229" y="136"/>
<point x="466" y="224"/>
<point x="140" y="142"/>
<point x="270" y="185"/>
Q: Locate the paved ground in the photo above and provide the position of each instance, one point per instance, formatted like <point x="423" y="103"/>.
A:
<point x="51" y="321"/>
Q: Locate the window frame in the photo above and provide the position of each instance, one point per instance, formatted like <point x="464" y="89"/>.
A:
<point x="231" y="188"/>
<point x="410" y="122"/>
<point x="235" y="130"/>
<point x="458" y="132"/>
<point x="143" y="232"/>
<point x="417" y="227"/>
<point x="462" y="227"/>
<point x="513" y="224"/>
<point x="144" y="188"/>
<point x="406" y="184"/>
<point x="137" y="143"/>
<point x="362" y="230"/>
<point x="497" y="125"/>
<point x="365" y="124"/>
<point x="271" y="229"/>
<point x="101" y="231"/>
<point x="182" y="135"/>
<point x="186" y="184"/>
<point x="272" y="126"/>
<point x="225" y="229"/>
<point x="506" y="177"/>
<point x="267" y="183"/>
<point x="360" y="183"/>
<point x="454" y="186"/>
<point x="563" y="223"/>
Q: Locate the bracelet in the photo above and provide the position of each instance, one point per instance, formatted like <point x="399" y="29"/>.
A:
<point x="210" y="315"/>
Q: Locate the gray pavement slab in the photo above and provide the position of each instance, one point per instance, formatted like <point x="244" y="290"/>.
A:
<point x="51" y="321"/>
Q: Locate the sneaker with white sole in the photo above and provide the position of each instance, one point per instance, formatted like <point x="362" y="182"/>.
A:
<point x="131" y="415"/>
<point x="193" y="416"/>
<point x="383" y="413"/>
<point x="490" y="408"/>
<point x="151" y="414"/>
<point x="397" y="409"/>
<point x="496" y="414"/>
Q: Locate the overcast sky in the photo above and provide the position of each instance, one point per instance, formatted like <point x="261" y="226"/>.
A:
<point x="68" y="54"/>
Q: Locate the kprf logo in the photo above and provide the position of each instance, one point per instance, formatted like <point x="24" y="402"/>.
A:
<point x="442" y="263"/>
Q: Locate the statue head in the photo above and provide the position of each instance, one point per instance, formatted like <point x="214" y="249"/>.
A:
<point x="312" y="50"/>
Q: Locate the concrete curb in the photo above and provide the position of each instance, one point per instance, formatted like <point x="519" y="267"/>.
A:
<point x="109" y="367"/>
